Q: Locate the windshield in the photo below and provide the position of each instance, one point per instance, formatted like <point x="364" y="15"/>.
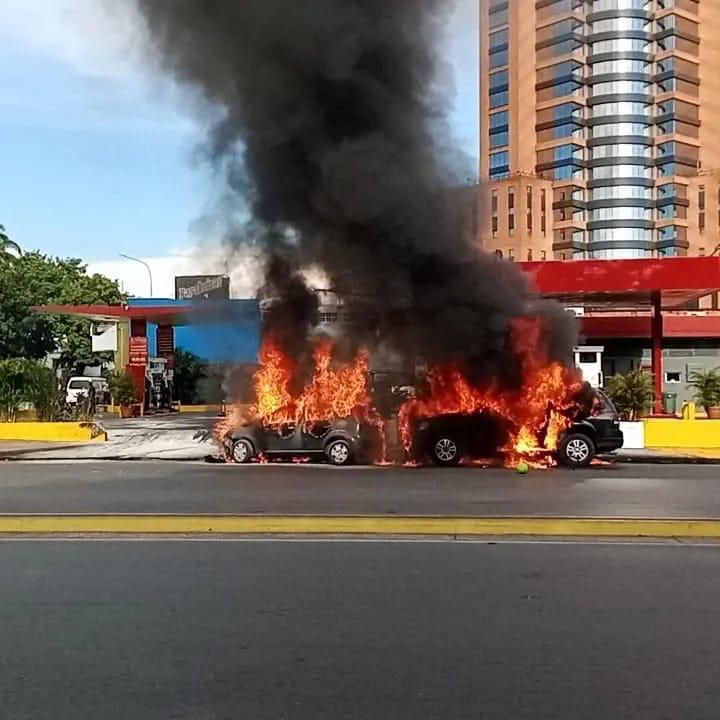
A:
<point x="79" y="385"/>
<point x="605" y="405"/>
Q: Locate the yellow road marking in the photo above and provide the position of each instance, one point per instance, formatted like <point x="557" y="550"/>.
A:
<point x="361" y="525"/>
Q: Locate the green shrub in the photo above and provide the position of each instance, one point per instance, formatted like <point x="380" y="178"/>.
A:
<point x="122" y="388"/>
<point x="632" y="393"/>
<point x="43" y="391"/>
<point x="706" y="384"/>
<point x="189" y="370"/>
<point x="12" y="388"/>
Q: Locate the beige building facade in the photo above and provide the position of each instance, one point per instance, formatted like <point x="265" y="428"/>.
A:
<point x="600" y="128"/>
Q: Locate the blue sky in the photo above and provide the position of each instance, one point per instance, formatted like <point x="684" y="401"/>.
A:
<point x="97" y="155"/>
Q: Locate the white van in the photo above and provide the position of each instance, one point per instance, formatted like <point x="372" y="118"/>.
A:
<point x="80" y="385"/>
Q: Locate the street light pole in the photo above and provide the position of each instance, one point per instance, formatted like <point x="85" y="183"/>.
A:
<point x="142" y="262"/>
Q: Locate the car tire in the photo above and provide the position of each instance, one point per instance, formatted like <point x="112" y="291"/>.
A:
<point x="242" y="452"/>
<point x="339" y="452"/>
<point x="445" y="452"/>
<point x="576" y="450"/>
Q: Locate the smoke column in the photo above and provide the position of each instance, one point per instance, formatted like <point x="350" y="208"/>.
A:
<point x="331" y="136"/>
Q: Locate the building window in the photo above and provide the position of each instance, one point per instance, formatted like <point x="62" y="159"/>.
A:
<point x="498" y="59"/>
<point x="499" y="165"/>
<point x="543" y="255"/>
<point x="701" y="197"/>
<point x="494" y="202"/>
<point x="529" y="221"/>
<point x="498" y="52"/>
<point x="511" y="223"/>
<point x="542" y="211"/>
<point x="528" y="198"/>
<point x="499" y="15"/>
<point x="328" y="317"/>
<point x="494" y="226"/>
<point x="498" y="81"/>
<point x="701" y="251"/>
<point x="511" y="255"/>
<point x="564" y="172"/>
<point x="498" y="99"/>
<point x="499" y="139"/>
<point x="701" y="221"/>
<point x="499" y="121"/>
<point x="498" y="39"/>
<point x="511" y="198"/>
<point x="529" y="255"/>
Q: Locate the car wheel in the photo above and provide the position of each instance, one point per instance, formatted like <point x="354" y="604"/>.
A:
<point x="576" y="450"/>
<point x="242" y="452"/>
<point x="446" y="452"/>
<point x="339" y="452"/>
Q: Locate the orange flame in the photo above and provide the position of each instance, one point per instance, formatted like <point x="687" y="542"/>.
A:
<point x="334" y="391"/>
<point x="537" y="411"/>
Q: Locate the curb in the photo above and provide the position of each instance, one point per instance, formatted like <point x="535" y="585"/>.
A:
<point x="359" y="525"/>
<point x="53" y="432"/>
<point x="666" y="460"/>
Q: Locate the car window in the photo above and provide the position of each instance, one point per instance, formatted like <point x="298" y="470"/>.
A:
<point x="605" y="404"/>
<point x="79" y="385"/>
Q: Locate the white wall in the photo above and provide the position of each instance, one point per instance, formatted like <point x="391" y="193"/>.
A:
<point x="634" y="434"/>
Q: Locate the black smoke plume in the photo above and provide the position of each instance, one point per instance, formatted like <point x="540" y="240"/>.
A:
<point x="331" y="134"/>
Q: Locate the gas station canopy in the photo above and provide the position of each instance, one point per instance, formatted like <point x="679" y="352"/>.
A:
<point x="176" y="314"/>
<point x="161" y="314"/>
<point x="626" y="284"/>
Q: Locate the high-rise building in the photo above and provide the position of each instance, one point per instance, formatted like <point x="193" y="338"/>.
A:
<point x="600" y="128"/>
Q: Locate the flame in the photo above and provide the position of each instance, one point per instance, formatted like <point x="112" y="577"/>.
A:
<point x="334" y="391"/>
<point x="538" y="411"/>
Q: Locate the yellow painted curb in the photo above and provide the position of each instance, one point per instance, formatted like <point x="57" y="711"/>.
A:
<point x="52" y="431"/>
<point x="199" y="408"/>
<point x="360" y="525"/>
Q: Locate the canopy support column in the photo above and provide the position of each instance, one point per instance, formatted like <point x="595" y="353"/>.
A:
<point x="657" y="352"/>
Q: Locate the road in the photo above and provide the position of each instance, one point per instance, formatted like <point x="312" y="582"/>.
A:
<point x="156" y="630"/>
<point x="685" y="491"/>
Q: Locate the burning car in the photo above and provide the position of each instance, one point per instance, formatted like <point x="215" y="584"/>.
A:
<point x="446" y="439"/>
<point x="330" y="417"/>
<point x="340" y="441"/>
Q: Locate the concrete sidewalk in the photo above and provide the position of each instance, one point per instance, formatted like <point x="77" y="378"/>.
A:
<point x="165" y="437"/>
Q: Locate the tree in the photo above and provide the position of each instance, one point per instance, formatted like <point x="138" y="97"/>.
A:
<point x="36" y="279"/>
<point x="7" y="246"/>
<point x="22" y="333"/>
<point x="188" y="371"/>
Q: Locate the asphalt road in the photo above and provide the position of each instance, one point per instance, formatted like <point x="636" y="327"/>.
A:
<point x="333" y="630"/>
<point x="161" y="487"/>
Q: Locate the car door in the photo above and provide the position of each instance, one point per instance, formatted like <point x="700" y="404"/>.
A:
<point x="284" y="438"/>
<point x="313" y="436"/>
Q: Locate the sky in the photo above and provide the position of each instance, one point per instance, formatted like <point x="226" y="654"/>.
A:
<point x="98" y="150"/>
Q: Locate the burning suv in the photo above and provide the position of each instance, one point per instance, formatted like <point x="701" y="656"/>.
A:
<point x="446" y="439"/>
<point x="339" y="441"/>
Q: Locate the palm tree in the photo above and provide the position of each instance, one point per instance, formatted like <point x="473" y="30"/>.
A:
<point x="7" y="246"/>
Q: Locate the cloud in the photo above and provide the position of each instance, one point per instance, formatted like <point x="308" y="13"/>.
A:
<point x="101" y="38"/>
